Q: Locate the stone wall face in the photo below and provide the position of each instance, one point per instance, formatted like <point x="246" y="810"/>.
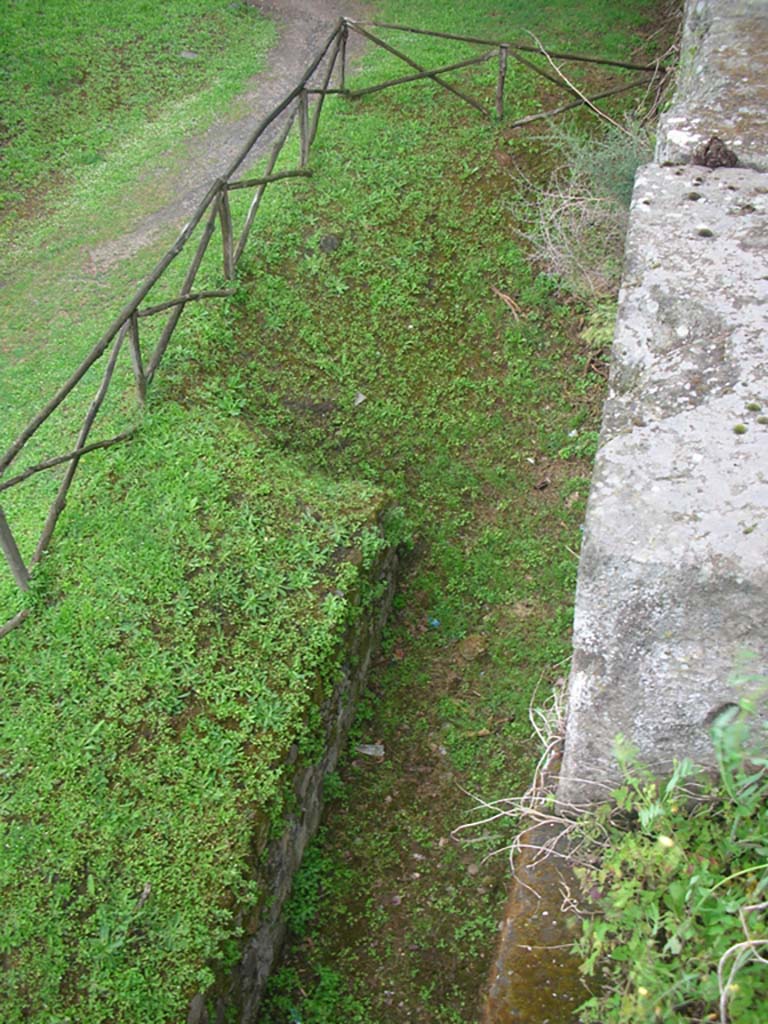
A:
<point x="671" y="622"/>
<point x="276" y="860"/>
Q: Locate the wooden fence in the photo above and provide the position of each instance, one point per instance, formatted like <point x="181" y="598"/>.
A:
<point x="302" y="105"/>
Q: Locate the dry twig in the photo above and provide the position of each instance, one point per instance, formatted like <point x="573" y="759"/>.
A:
<point x="508" y="301"/>
<point x="574" y="89"/>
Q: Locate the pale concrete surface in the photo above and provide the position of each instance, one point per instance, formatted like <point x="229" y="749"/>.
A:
<point x="673" y="578"/>
<point x="722" y="83"/>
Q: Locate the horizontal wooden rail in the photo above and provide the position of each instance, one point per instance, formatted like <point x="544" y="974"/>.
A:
<point x="182" y="300"/>
<point x="417" y="76"/>
<point x="615" y="91"/>
<point x="302" y="172"/>
<point x="480" y="41"/>
<point x="525" y="47"/>
<point x="58" y="460"/>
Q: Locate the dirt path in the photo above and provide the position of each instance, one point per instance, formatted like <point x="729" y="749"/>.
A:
<point x="68" y="266"/>
<point x="303" y="27"/>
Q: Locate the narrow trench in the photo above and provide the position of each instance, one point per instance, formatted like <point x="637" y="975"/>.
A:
<point x="395" y="912"/>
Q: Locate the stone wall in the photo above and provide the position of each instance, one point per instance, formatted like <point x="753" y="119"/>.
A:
<point x="671" y="622"/>
<point x="276" y="860"/>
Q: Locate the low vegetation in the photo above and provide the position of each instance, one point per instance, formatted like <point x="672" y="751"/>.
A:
<point x="180" y="641"/>
<point x="79" y="77"/>
<point x="677" y="874"/>
<point x="389" y="343"/>
<point x="577" y="222"/>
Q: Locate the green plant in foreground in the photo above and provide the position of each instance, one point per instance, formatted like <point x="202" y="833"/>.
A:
<point x="680" y="891"/>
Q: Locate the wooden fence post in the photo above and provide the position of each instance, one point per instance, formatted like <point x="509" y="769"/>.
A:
<point x="138" y="369"/>
<point x="503" y="52"/>
<point x="225" y="219"/>
<point x="343" y="57"/>
<point x="173" y="319"/>
<point x="326" y="82"/>
<point x="12" y="554"/>
<point x="304" y="127"/>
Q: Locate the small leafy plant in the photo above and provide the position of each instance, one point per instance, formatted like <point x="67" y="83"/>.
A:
<point x="679" y="930"/>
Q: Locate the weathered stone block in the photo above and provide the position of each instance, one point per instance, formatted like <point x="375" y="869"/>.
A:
<point x="277" y="859"/>
<point x="722" y="85"/>
<point x="673" y="578"/>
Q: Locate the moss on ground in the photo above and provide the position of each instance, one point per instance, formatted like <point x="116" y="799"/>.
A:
<point x="179" y="643"/>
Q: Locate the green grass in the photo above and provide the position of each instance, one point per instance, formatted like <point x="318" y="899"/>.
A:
<point x="60" y="287"/>
<point x="184" y="601"/>
<point x="78" y="77"/>
<point x="177" y="647"/>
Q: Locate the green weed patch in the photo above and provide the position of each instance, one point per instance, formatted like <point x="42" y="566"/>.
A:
<point x="178" y="647"/>
<point x="200" y="578"/>
<point x="675" y="881"/>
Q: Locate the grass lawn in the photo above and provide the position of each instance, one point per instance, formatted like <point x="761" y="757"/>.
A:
<point x="199" y="577"/>
<point x="95" y="98"/>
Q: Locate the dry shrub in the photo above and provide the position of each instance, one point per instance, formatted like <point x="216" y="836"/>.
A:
<point x="579" y="221"/>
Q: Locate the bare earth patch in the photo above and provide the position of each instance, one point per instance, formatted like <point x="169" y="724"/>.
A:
<point x="303" y="27"/>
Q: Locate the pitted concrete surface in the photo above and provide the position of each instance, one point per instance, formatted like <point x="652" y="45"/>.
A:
<point x="692" y="319"/>
<point x="671" y="622"/>
<point x="722" y="83"/>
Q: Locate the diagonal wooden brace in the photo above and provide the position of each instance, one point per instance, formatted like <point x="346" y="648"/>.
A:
<point x="418" y="67"/>
<point x="12" y="554"/>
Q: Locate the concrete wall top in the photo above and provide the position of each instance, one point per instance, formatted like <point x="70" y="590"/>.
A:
<point x="722" y="83"/>
<point x="671" y="621"/>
